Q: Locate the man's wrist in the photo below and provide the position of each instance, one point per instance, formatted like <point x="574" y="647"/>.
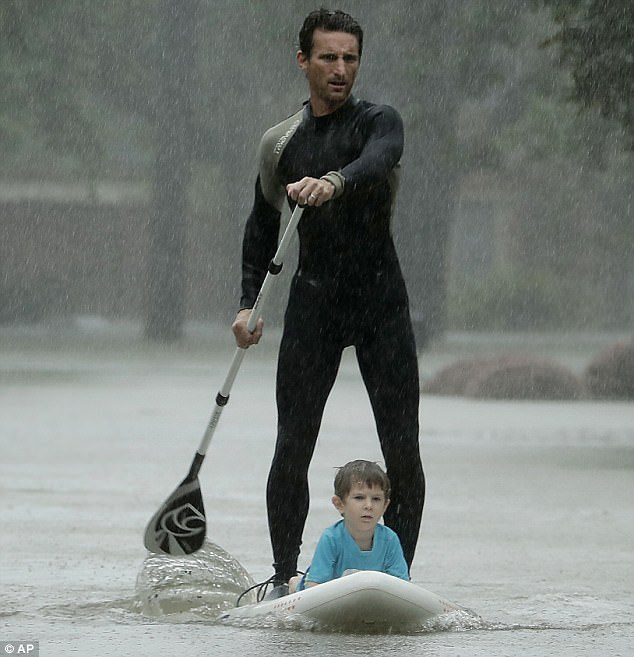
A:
<point x="337" y="181"/>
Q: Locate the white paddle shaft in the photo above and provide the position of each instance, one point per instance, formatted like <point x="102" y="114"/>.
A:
<point x="275" y="266"/>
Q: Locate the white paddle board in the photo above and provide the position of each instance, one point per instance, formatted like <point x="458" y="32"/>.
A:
<point x="364" y="598"/>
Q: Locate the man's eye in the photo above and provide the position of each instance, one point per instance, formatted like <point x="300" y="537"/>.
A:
<point x="350" y="59"/>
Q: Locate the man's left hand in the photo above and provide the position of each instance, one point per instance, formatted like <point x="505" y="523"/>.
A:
<point x="311" y="191"/>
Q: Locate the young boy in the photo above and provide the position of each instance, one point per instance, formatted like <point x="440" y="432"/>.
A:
<point x="358" y="542"/>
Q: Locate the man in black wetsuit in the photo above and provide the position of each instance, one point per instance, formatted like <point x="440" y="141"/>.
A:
<point x="339" y="157"/>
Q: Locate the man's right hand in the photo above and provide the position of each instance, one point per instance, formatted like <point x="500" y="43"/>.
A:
<point x="245" y="338"/>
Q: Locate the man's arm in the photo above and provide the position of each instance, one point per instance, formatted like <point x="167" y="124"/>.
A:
<point x="263" y="225"/>
<point x="258" y="248"/>
<point x="381" y="153"/>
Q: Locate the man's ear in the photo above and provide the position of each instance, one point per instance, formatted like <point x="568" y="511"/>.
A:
<point x="302" y="60"/>
<point x="338" y="503"/>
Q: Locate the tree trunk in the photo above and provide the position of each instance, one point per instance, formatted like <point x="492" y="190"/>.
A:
<point x="430" y="174"/>
<point x="165" y="307"/>
<point x="432" y="184"/>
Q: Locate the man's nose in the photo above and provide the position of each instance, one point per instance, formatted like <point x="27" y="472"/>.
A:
<point x="340" y="65"/>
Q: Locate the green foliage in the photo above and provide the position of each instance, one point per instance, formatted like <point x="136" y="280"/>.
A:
<point x="563" y="190"/>
<point x="45" y="67"/>
<point x="596" y="41"/>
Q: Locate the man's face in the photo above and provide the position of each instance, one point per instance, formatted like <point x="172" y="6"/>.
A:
<point x="331" y="69"/>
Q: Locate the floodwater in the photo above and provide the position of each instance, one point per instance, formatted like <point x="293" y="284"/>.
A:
<point x="529" y="519"/>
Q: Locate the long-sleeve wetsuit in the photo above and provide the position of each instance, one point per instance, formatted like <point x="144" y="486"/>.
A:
<point x="348" y="290"/>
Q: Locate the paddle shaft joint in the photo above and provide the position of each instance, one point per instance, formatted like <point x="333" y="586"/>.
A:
<point x="194" y="469"/>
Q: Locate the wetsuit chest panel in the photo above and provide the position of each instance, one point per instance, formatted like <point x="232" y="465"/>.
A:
<point x="319" y="146"/>
<point x="349" y="237"/>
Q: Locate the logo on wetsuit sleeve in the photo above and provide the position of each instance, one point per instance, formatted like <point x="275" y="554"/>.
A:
<point x="284" y="138"/>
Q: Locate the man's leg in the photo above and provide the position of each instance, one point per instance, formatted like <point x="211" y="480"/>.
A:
<point x="307" y="367"/>
<point x="389" y="366"/>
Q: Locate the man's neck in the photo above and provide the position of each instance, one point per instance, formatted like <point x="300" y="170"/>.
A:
<point x="321" y="108"/>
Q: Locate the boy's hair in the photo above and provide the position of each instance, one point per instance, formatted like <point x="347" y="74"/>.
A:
<point x="329" y="21"/>
<point x="360" y="472"/>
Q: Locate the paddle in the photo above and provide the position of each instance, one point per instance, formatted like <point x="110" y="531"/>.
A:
<point x="179" y="526"/>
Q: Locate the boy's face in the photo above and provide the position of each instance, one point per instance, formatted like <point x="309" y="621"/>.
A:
<point x="363" y="507"/>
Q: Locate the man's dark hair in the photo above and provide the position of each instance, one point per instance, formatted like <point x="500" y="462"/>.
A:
<point x="329" y="21"/>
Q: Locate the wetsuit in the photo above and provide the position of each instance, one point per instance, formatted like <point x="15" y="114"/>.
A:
<point x="348" y="290"/>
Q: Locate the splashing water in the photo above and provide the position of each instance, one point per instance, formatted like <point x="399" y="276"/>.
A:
<point x="195" y="587"/>
<point x="202" y="586"/>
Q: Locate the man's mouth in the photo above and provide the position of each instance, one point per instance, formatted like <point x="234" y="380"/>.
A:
<point x="337" y="84"/>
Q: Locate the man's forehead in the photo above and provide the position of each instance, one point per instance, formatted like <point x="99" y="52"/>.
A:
<point x="335" y="41"/>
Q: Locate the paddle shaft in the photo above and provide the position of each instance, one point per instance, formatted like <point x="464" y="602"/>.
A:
<point x="275" y="267"/>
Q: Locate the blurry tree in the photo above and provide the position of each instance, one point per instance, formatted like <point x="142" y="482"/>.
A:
<point x="177" y="81"/>
<point x="43" y="68"/>
<point x="440" y="54"/>
<point x="596" y="41"/>
<point x="148" y="68"/>
<point x="566" y="186"/>
<point x="69" y="61"/>
<point x="180" y="93"/>
<point x="40" y="114"/>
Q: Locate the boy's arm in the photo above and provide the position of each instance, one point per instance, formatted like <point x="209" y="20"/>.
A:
<point x="395" y="563"/>
<point x="322" y="568"/>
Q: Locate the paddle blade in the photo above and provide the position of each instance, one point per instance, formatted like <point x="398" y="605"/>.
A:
<point x="179" y="526"/>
